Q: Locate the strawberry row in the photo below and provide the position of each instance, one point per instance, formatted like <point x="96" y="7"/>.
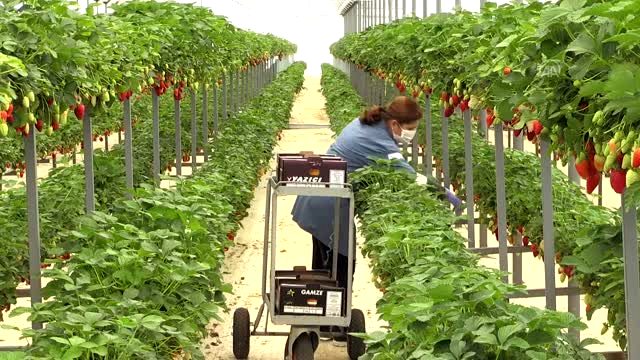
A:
<point x="439" y="302"/>
<point x="144" y="280"/>
<point x="94" y="62"/>
<point x="583" y="249"/>
<point x="555" y="71"/>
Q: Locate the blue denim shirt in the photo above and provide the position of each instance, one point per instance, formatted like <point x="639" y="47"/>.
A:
<point x="358" y="144"/>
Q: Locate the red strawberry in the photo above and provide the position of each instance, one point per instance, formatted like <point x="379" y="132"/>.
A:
<point x="39" y="125"/>
<point x="10" y="110"/>
<point x="55" y="125"/>
<point x="444" y="96"/>
<point x="415" y="94"/>
<point x="517" y="132"/>
<point x="582" y="166"/>
<point x="525" y="240"/>
<point x="456" y="100"/>
<point x="618" y="180"/>
<point x="4" y="115"/>
<point x="490" y="119"/>
<point x="449" y="111"/>
<point x="231" y="236"/>
<point x="534" y="249"/>
<point x="79" y="111"/>
<point x="464" y="105"/>
<point x="535" y="127"/>
<point x="583" y="106"/>
<point x="531" y="135"/>
<point x="506" y="71"/>
<point x="592" y="182"/>
<point x="635" y="162"/>
<point x="520" y="229"/>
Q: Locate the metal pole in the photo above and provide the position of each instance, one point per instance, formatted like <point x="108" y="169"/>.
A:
<point x="224" y="97"/>
<point x="156" y="136"/>
<point x="390" y="11"/>
<point x="194" y="125"/>
<point x="404" y="8"/>
<point x="413" y="7"/>
<point x="128" y="147"/>
<point x="445" y="150"/>
<point x="501" y="200"/>
<point x="178" y="137"/>
<point x="89" y="199"/>
<point x="547" y="227"/>
<point x="424" y="9"/>
<point x="438" y="6"/>
<point x="574" y="300"/>
<point x="631" y="279"/>
<point x="458" y="4"/>
<point x="205" y="119"/>
<point x="468" y="155"/>
<point x="396" y="9"/>
<point x="33" y="219"/>
<point x="231" y="94"/>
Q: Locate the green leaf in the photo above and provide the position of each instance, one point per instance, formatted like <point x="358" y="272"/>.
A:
<point x="73" y="352"/>
<point x="489" y="339"/>
<point x="505" y="332"/>
<point x="131" y="293"/>
<point x="152" y="322"/>
<point x="537" y="355"/>
<point x="583" y="44"/>
<point x="517" y="342"/>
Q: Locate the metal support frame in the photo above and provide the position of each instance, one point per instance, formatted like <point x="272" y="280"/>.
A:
<point x="501" y="201"/>
<point x="547" y="226"/>
<point x="194" y="125"/>
<point x="438" y="6"/>
<point x="573" y="301"/>
<point x="33" y="219"/>
<point x="225" y="114"/>
<point x="428" y="150"/>
<point x="445" y="150"/>
<point x="156" y="136"/>
<point x="468" y="160"/>
<point x="631" y="278"/>
<point x="178" y="136"/>
<point x="89" y="185"/>
<point x="128" y="147"/>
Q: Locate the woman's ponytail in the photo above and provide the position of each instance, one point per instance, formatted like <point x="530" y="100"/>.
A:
<point x="373" y="115"/>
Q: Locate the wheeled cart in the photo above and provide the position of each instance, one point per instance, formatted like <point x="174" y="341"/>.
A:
<point x="307" y="300"/>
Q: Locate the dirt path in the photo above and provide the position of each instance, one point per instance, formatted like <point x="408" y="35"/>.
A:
<point x="244" y="261"/>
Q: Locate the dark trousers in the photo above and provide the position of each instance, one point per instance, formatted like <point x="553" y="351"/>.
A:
<point x="323" y="260"/>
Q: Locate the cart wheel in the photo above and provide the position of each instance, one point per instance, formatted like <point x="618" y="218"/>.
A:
<point x="355" y="345"/>
<point x="241" y="333"/>
<point x="303" y="348"/>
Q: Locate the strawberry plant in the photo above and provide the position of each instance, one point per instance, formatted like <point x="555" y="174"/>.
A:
<point x="145" y="280"/>
<point x="439" y="302"/>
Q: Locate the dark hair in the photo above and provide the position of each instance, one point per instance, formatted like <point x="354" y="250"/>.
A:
<point x="403" y="109"/>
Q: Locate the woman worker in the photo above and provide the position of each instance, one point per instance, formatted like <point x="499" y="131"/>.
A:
<point x="374" y="135"/>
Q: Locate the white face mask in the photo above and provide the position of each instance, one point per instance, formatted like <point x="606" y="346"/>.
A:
<point x="405" y="136"/>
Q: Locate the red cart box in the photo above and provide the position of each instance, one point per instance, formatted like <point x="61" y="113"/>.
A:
<point x="307" y="169"/>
